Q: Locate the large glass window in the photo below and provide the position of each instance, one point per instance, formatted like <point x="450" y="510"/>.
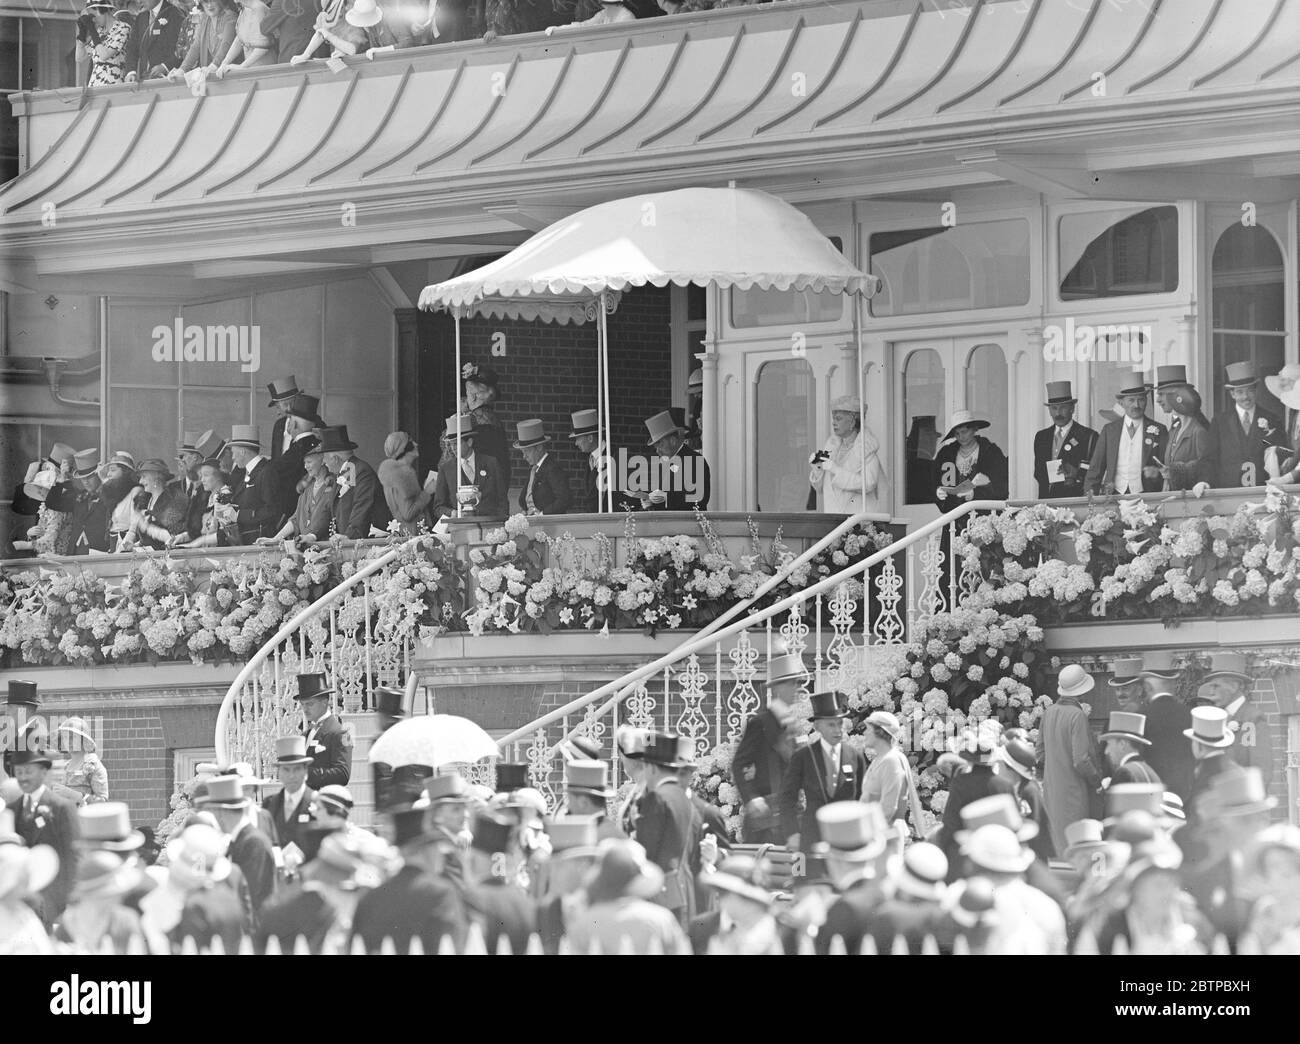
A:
<point x="784" y="426"/>
<point x="750" y="308"/>
<point x="980" y="264"/>
<point x="1247" y="303"/>
<point x="924" y="418"/>
<point x="986" y="392"/>
<point x="1118" y="253"/>
<point x="36" y="53"/>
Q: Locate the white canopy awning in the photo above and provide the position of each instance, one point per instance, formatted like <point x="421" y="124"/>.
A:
<point x="723" y="236"/>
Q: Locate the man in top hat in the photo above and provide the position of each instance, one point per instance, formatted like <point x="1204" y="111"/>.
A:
<point x="824" y="770"/>
<point x="493" y="899"/>
<point x="547" y="490"/>
<point x="1169" y="754"/>
<point x="249" y="849"/>
<point x="687" y="473"/>
<point x="1130" y="450"/>
<point x="764" y="752"/>
<point x="188" y="459"/>
<point x="1244" y="432"/>
<point x="389" y="710"/>
<point x="1126" y="742"/>
<point x="586" y="788"/>
<point x="478" y="482"/>
<point x="1070" y="772"/>
<point x="260" y="496"/>
<point x="416" y="902"/>
<point x="290" y="807"/>
<point x="359" y="502"/>
<point x="854" y="846"/>
<point x="596" y="475"/>
<point x="21" y="702"/>
<point x="328" y="742"/>
<point x="1063" y="451"/>
<point x="1285" y="386"/>
<point x="41" y="817"/>
<point x="1126" y="682"/>
<point x="301" y="422"/>
<point x="1228" y="685"/>
<point x="283" y="390"/>
<point x="88" y="524"/>
<point x="448" y="799"/>
<point x="668" y="826"/>
<point x="1211" y="737"/>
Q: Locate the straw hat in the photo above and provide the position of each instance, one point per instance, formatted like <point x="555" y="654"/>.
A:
<point x="1210" y="727"/>
<point x="1073" y="681"/>
<point x="1286" y="385"/>
<point x="106" y="825"/>
<point x="851" y="831"/>
<point x="964" y="419"/>
<point x="198" y="856"/>
<point x="996" y="849"/>
<point x="924" y="870"/>
<point x="1128" y="726"/>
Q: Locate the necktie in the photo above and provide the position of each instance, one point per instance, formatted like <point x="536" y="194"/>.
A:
<point x="1058" y="440"/>
<point x="1174" y="425"/>
<point x="1245" y="423"/>
<point x="467" y="468"/>
<point x="528" y="495"/>
<point x="832" y="767"/>
<point x="29" y="803"/>
<point x="1132" y="430"/>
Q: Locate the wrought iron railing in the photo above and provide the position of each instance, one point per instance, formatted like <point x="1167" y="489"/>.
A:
<point x="350" y="634"/>
<point x="709" y="685"/>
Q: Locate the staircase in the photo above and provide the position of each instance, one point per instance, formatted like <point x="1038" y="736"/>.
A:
<point x="843" y="624"/>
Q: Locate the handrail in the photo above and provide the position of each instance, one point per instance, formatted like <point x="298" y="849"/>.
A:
<point x="704" y="638"/>
<point x="298" y="619"/>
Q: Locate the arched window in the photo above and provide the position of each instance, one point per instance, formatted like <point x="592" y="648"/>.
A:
<point x="1247" y="304"/>
<point x="986" y="392"/>
<point x="785" y="419"/>
<point x="924" y="417"/>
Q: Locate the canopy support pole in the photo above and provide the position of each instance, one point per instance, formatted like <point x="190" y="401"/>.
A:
<point x="456" y="472"/>
<point x="858" y="305"/>
<point x="602" y="334"/>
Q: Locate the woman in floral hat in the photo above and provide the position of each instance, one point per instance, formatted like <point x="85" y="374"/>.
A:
<point x="846" y="471"/>
<point x="480" y="384"/>
<point x="84" y="772"/>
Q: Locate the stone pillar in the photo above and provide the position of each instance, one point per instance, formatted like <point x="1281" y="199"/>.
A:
<point x="711" y="407"/>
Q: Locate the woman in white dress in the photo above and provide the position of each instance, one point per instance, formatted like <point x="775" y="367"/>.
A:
<point x="846" y="482"/>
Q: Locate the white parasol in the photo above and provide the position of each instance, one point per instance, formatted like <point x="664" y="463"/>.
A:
<point x="433" y="740"/>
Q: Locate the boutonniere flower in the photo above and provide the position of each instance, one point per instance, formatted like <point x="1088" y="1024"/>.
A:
<point x="1070" y="445"/>
<point x="468" y="370"/>
<point x="1264" y="425"/>
<point x="1152" y="429"/>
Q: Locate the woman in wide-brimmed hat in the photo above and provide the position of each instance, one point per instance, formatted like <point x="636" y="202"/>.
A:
<point x="102" y="39"/>
<point x="96" y="916"/>
<point x="480" y="401"/>
<point x="620" y="912"/>
<point x="314" y="514"/>
<point x="84" y="772"/>
<point x="968" y="466"/>
<point x="847" y="471"/>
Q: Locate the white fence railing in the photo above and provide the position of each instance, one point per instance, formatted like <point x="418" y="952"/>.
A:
<point x="708" y="686"/>
<point x="341" y="635"/>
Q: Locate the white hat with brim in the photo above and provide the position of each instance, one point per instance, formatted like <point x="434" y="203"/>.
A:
<point x="1074" y="681"/>
<point x="847" y="404"/>
<point x="995" y="849"/>
<point x="964" y="419"/>
<point x="1210" y="727"/>
<point x="724" y="882"/>
<point x="1285" y="385"/>
<point x="364" y="13"/>
<point x="26" y="871"/>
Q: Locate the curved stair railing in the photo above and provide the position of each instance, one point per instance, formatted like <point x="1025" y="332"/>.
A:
<point x="707" y="687"/>
<point x="339" y="635"/>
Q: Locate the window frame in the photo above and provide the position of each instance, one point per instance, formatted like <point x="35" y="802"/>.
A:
<point x="1188" y="264"/>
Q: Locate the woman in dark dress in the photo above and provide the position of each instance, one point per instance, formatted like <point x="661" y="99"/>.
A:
<point x="480" y="384"/>
<point x="968" y="466"/>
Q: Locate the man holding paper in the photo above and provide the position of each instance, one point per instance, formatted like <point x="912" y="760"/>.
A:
<point x="1063" y="450"/>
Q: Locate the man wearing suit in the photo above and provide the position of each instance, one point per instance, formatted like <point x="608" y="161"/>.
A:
<point x="1063" y="451"/>
<point x="669" y="828"/>
<point x="1169" y="754"/>
<point x="1130" y="449"/>
<point x="475" y="469"/>
<point x="259" y="498"/>
<point x="151" y="47"/>
<point x="1126" y="741"/>
<point x="855" y="848"/>
<point x="328" y="742"/>
<point x="1244" y="432"/>
<point x="978" y="781"/>
<point x="825" y="769"/>
<point x="680" y="468"/>
<point x="546" y="492"/>
<point x="290" y="808"/>
<point x="498" y="905"/>
<point x="249" y="848"/>
<point x="417" y="901"/>
<point x="282" y="392"/>
<point x="359" y="500"/>
<point x="587" y="793"/>
<point x="595" y="476"/>
<point x="1210" y="736"/>
<point x="1228" y="685"/>
<point x="301" y="422"/>
<point x="188" y="459"/>
<point x="764" y="751"/>
<point x="41" y="817"/>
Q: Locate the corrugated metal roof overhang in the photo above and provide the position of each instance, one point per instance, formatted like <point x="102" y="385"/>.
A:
<point x="781" y="82"/>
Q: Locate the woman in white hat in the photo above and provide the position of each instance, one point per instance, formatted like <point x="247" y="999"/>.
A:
<point x="846" y="470"/>
<point x="1274" y="865"/>
<point x="24" y="872"/>
<point x="968" y="466"/>
<point x="101" y="39"/>
<point x="1285" y="385"/>
<point x="84" y="772"/>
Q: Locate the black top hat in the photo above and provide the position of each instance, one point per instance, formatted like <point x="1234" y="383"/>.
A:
<point x="307" y="407"/>
<point x="410" y="825"/>
<point x="310" y="685"/>
<point x="31" y="757"/>
<point x="492" y="833"/>
<point x="668" y="750"/>
<point x="828" y="705"/>
<point x="511" y="776"/>
<point x="389" y="702"/>
<point x="23" y="694"/>
<point x="281" y="389"/>
<point x="335" y="440"/>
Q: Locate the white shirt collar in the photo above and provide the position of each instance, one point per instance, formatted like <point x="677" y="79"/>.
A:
<point x="1064" y="429"/>
<point x="834" y="751"/>
<point x="541" y="461"/>
<point x="1244" y="414"/>
<point x="315" y="725"/>
<point x="252" y="464"/>
<point x="292" y="800"/>
<point x="35" y="795"/>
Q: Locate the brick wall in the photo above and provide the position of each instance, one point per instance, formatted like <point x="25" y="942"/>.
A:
<point x="549" y="371"/>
